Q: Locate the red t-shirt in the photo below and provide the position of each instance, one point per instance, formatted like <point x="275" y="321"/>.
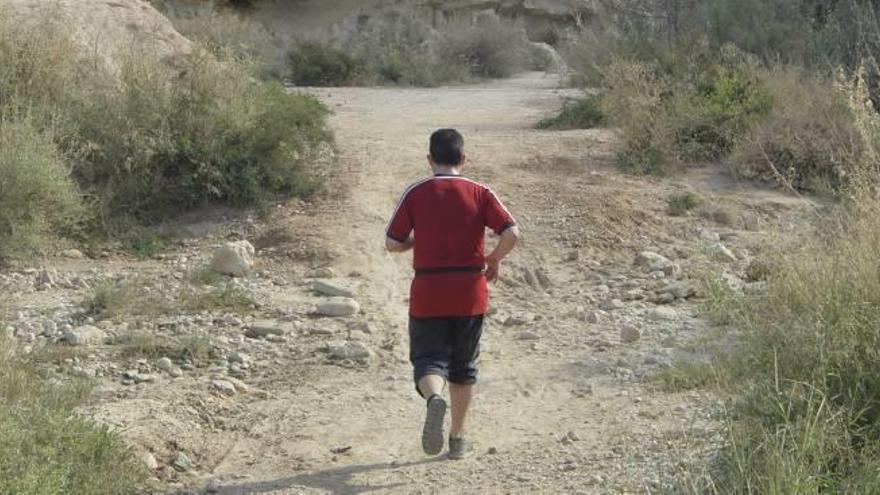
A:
<point x="449" y="215"/>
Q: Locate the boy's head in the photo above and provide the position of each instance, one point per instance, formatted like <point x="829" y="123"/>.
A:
<point x="447" y="148"/>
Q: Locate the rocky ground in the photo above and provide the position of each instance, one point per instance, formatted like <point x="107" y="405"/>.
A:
<point x="292" y="376"/>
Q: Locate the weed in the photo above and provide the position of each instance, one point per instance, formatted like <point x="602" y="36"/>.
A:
<point x="680" y="204"/>
<point x="584" y="113"/>
<point x="686" y="375"/>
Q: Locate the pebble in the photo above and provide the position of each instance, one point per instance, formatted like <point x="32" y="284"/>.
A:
<point x="612" y="305"/>
<point x="150" y="461"/>
<point x="338" y="306"/>
<point x="333" y="289"/>
<point x="233" y="258"/>
<point x="263" y="328"/>
<point x="348" y="350"/>
<point x="528" y="335"/>
<point x="85" y="335"/>
<point x="182" y="462"/>
<point x="721" y="252"/>
<point x="164" y="364"/>
<point x="629" y="334"/>
<point x="661" y="314"/>
<point x="224" y="387"/>
<point x="74" y="254"/>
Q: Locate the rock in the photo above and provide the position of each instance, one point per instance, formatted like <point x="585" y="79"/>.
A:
<point x="594" y="317"/>
<point x="110" y="31"/>
<point x="323" y="272"/>
<point x="611" y="305"/>
<point x="574" y="437"/>
<point x="224" y="387"/>
<point x="175" y="372"/>
<point x="650" y="261"/>
<point x="262" y="329"/>
<point x="708" y="235"/>
<point x="680" y="290"/>
<point x="85" y="335"/>
<point x="514" y="321"/>
<point x="732" y="282"/>
<point x="240" y="386"/>
<point x="164" y="364"/>
<point x="182" y="462"/>
<point x="150" y="461"/>
<point x="528" y="335"/>
<point x="338" y="306"/>
<point x="332" y="289"/>
<point x="629" y="334"/>
<point x="721" y="252"/>
<point x="234" y="258"/>
<point x="46" y="279"/>
<point x="543" y="278"/>
<point x="240" y="357"/>
<point x="661" y="314"/>
<point x="548" y="58"/>
<point x="348" y="350"/>
<point x="74" y="254"/>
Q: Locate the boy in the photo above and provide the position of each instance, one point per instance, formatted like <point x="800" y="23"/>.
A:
<point x="443" y="219"/>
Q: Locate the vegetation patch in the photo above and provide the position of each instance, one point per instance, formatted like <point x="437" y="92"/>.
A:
<point x="45" y="447"/>
<point x="584" y="113"/>
<point x="681" y="204"/>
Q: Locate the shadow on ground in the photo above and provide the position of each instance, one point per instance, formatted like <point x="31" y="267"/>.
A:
<point x="339" y="481"/>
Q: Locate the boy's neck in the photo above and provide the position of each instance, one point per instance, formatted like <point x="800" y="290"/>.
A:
<point x="443" y="170"/>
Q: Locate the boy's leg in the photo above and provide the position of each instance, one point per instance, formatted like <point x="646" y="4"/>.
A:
<point x="431" y="385"/>
<point x="461" y="395"/>
<point x="463" y="370"/>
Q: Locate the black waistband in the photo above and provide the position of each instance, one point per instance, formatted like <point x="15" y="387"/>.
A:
<point x="449" y="269"/>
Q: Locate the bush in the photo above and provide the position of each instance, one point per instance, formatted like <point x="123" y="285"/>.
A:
<point x="680" y="204"/>
<point x="584" y="113"/>
<point x="45" y="447"/>
<point x="808" y="140"/>
<point x="229" y="35"/>
<point x="152" y="140"/>
<point x="38" y="197"/>
<point x="317" y="64"/>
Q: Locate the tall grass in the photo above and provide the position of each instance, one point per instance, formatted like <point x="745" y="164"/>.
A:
<point x="45" y="447"/>
<point x="805" y="375"/>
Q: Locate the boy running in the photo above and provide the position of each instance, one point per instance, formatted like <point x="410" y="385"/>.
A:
<point x="443" y="218"/>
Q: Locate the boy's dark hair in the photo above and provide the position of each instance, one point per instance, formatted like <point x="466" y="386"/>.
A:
<point x="447" y="147"/>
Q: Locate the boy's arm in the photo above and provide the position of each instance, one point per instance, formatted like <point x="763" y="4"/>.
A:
<point x="395" y="246"/>
<point x="505" y="245"/>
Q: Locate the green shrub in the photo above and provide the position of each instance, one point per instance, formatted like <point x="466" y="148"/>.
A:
<point x="681" y="203"/>
<point x="38" y="197"/>
<point x="317" y="64"/>
<point x="584" y="113"/>
<point x="45" y="447"/>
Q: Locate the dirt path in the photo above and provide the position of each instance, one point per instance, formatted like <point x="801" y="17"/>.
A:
<point x="562" y="408"/>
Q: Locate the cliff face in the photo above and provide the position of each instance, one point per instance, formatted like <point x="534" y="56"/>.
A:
<point x="108" y="29"/>
<point x="540" y="17"/>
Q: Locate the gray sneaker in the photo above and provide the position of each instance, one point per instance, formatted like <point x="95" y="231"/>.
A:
<point x="460" y="448"/>
<point x="432" y="433"/>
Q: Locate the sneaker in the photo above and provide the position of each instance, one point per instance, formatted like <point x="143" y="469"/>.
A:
<point x="432" y="434"/>
<point x="459" y="448"/>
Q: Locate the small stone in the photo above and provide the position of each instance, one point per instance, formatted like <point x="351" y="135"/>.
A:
<point x="262" y="329"/>
<point x="164" y="364"/>
<point x="612" y="305"/>
<point x="130" y="374"/>
<point x="338" y="306"/>
<point x="629" y="334"/>
<point x="708" y="235"/>
<point x="175" y="372"/>
<point x="543" y="278"/>
<point x="680" y="290"/>
<point x="234" y="258"/>
<point x="514" y="321"/>
<point x="574" y="437"/>
<point x="492" y="451"/>
<point x="721" y="252"/>
<point x="240" y="357"/>
<point x="150" y="461"/>
<point x="323" y="272"/>
<point x="74" y="254"/>
<point x="333" y="289"/>
<point x="594" y="317"/>
<point x="348" y="350"/>
<point x="661" y="314"/>
<point x="528" y="335"/>
<point x="224" y="387"/>
<point x="755" y="288"/>
<point x="182" y="462"/>
<point x="651" y="262"/>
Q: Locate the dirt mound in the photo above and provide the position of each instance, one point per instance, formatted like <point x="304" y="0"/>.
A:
<point x="109" y="29"/>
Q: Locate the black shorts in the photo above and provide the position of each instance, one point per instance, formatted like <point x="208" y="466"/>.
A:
<point x="447" y="346"/>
